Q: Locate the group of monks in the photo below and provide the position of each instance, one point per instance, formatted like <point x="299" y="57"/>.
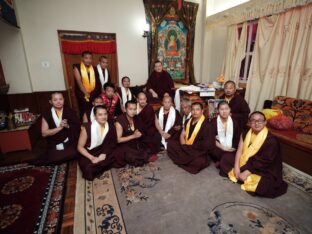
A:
<point x="119" y="128"/>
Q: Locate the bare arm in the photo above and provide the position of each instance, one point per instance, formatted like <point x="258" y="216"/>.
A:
<point x="81" y="145"/>
<point x="182" y="137"/>
<point x="78" y="80"/>
<point x="237" y="157"/>
<point x="154" y="94"/>
<point x="45" y="131"/>
<point x="120" y="138"/>
<point x="85" y="118"/>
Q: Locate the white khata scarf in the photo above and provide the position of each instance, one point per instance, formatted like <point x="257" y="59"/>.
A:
<point x="225" y="136"/>
<point x="169" y="123"/>
<point x="124" y="96"/>
<point x="92" y="117"/>
<point x="103" y="77"/>
<point x="186" y="117"/>
<point x="96" y="137"/>
<point x="57" y="120"/>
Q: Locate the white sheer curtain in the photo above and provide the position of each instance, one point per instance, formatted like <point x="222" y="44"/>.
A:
<point x="235" y="52"/>
<point x="282" y="59"/>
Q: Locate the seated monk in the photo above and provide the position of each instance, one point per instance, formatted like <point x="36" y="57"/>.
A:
<point x="60" y="126"/>
<point x="159" y="84"/>
<point x="131" y="149"/>
<point x="191" y="152"/>
<point x="146" y="116"/>
<point x="89" y="114"/>
<point x="96" y="143"/>
<point x="239" y="107"/>
<point x="258" y="163"/>
<point x="168" y="121"/>
<point x="124" y="92"/>
<point x="225" y="132"/>
<point x="111" y="101"/>
<point x="186" y="107"/>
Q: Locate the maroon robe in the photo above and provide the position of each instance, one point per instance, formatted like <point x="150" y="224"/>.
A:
<point x="151" y="136"/>
<point x="175" y="134"/>
<point x="192" y="158"/>
<point x="91" y="170"/>
<point x="82" y="103"/>
<point x="161" y="83"/>
<point x="112" y="105"/>
<point x="267" y="163"/>
<point x="98" y="75"/>
<point x="216" y="153"/>
<point x="72" y="133"/>
<point x="239" y="110"/>
<point x="133" y="152"/>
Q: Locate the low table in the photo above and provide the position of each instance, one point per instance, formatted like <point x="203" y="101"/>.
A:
<point x="21" y="138"/>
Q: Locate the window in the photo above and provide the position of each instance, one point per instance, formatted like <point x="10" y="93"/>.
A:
<point x="251" y="39"/>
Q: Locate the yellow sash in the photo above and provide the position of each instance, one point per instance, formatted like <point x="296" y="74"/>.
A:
<point x="250" y="150"/>
<point x="190" y="141"/>
<point x="59" y="114"/>
<point x="102" y="131"/>
<point x="88" y="84"/>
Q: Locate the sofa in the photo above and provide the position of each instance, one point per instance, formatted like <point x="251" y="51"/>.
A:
<point x="296" y="143"/>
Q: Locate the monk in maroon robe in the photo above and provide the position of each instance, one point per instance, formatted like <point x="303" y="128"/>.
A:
<point x="239" y="107"/>
<point x="102" y="71"/>
<point x="159" y="84"/>
<point x="124" y="92"/>
<point x="131" y="149"/>
<point x="168" y="121"/>
<point x="96" y="144"/>
<point x="190" y="152"/>
<point x="89" y="114"/>
<point x="257" y="163"/>
<point x="87" y="83"/>
<point x="60" y="127"/>
<point x="225" y="133"/>
<point x="146" y="116"/>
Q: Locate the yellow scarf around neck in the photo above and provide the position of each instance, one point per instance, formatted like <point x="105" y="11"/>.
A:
<point x="190" y="141"/>
<point x="88" y="84"/>
<point x="249" y="150"/>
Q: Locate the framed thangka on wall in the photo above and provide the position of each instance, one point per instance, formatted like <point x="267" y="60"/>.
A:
<point x="172" y="35"/>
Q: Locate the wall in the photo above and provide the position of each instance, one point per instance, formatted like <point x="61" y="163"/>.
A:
<point x="13" y="59"/>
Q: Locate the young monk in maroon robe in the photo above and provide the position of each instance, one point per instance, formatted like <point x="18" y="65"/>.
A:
<point x="111" y="101"/>
<point x="159" y="84"/>
<point x="87" y="83"/>
<point x="89" y="114"/>
<point x="96" y="143"/>
<point x="258" y="163"/>
<point x="146" y="116"/>
<point x="225" y="133"/>
<point x="239" y="107"/>
<point x="191" y="151"/>
<point x="168" y="121"/>
<point x="131" y="149"/>
<point x="60" y="126"/>
<point x="124" y="92"/>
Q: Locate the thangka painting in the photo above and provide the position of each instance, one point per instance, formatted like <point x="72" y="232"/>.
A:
<point x="172" y="44"/>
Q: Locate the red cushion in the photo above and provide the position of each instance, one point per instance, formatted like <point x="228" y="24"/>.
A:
<point x="281" y="122"/>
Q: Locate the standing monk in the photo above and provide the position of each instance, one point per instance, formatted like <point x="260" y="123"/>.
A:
<point x="239" y="107"/>
<point x="111" y="101"/>
<point x="191" y="151"/>
<point x="159" y="84"/>
<point x="96" y="144"/>
<point x="258" y="162"/>
<point x="60" y="126"/>
<point x="146" y="116"/>
<point x="102" y="71"/>
<point x="168" y="121"/>
<point x="87" y="83"/>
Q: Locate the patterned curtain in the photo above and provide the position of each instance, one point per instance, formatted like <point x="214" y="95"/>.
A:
<point x="188" y="16"/>
<point x="155" y="11"/>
